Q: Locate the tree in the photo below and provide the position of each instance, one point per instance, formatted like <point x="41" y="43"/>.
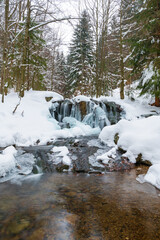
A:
<point x="121" y="55"/>
<point x="4" y="69"/>
<point x="60" y="73"/>
<point x="113" y="55"/>
<point x="23" y="26"/>
<point x="80" y="59"/>
<point x="146" y="48"/>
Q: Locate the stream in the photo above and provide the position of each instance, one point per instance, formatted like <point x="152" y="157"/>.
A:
<point x="87" y="201"/>
<point x="56" y="206"/>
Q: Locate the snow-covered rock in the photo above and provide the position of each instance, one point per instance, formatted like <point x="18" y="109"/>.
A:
<point x="7" y="161"/>
<point x="153" y="175"/>
<point x="136" y="137"/>
<point x="63" y="153"/>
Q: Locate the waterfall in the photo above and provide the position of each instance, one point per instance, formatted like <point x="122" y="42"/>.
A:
<point x="90" y="112"/>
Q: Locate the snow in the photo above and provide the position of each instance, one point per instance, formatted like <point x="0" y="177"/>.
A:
<point x="15" y="164"/>
<point x="136" y="137"/>
<point x="111" y="154"/>
<point x="78" y="128"/>
<point x="153" y="175"/>
<point x="7" y="161"/>
<point x="62" y="152"/>
<point x="137" y="134"/>
<point x="148" y="73"/>
<point x="81" y="98"/>
<point x="134" y="109"/>
<point x="32" y="123"/>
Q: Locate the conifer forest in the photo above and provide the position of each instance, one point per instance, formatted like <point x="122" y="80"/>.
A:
<point x="114" y="42"/>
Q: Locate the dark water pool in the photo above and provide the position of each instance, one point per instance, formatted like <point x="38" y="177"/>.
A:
<point x="66" y="207"/>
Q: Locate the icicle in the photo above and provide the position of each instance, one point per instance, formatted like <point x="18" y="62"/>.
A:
<point x="98" y="114"/>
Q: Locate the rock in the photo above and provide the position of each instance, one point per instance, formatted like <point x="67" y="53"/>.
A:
<point x="38" y="141"/>
<point x="71" y="219"/>
<point x="37" y="234"/>
<point x="16" y="227"/>
<point x="61" y="167"/>
<point x="142" y="169"/>
<point x="116" y="138"/>
<point x="121" y="151"/>
<point x="139" y="160"/>
<point x="48" y="99"/>
<point x="35" y="169"/>
<point x="83" y="109"/>
<point x="120" y="165"/>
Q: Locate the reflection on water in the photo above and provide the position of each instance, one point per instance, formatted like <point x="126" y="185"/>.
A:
<point x="78" y="207"/>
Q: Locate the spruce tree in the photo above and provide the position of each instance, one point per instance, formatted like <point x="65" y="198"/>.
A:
<point x="146" y="48"/>
<point x="60" y="73"/>
<point x="80" y="59"/>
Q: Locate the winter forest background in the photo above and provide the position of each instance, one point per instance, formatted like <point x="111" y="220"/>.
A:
<point x="114" y="43"/>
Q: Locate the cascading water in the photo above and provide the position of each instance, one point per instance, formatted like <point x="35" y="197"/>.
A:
<point x="90" y="112"/>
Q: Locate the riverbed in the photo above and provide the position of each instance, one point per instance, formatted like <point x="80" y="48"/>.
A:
<point x="68" y="206"/>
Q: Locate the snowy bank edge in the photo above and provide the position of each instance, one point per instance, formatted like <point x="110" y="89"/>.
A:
<point x="138" y="138"/>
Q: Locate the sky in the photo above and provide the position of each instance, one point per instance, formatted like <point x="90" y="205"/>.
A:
<point x="65" y="29"/>
<point x="73" y="8"/>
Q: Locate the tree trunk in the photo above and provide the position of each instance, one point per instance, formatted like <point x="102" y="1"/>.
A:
<point x="5" y="51"/>
<point x="25" y="53"/>
<point x="157" y="101"/>
<point x="121" y="56"/>
<point x="97" y="40"/>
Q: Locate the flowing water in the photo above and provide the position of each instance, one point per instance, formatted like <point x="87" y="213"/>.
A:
<point x="56" y="206"/>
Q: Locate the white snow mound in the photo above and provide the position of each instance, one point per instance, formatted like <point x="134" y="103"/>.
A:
<point x="62" y="152"/>
<point x="137" y="136"/>
<point x="7" y="161"/>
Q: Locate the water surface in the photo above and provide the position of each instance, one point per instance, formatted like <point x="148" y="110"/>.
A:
<point x="77" y="207"/>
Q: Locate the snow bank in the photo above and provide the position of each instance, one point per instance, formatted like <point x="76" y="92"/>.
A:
<point x="136" y="137"/>
<point x="134" y="109"/>
<point x="81" y="98"/>
<point x="7" y="161"/>
<point x="153" y="175"/>
<point x="32" y="121"/>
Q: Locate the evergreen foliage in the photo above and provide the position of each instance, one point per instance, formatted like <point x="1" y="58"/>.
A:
<point x="125" y="47"/>
<point x="60" y="73"/>
<point x="80" y="59"/>
<point x="146" y="47"/>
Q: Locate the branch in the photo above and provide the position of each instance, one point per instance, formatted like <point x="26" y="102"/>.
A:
<point x="16" y="106"/>
<point x="51" y="21"/>
<point x="43" y="24"/>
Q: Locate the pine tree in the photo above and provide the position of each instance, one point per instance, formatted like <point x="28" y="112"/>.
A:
<point x="146" y="48"/>
<point x="127" y="27"/>
<point x="80" y="59"/>
<point x="113" y="55"/>
<point x="60" y="73"/>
